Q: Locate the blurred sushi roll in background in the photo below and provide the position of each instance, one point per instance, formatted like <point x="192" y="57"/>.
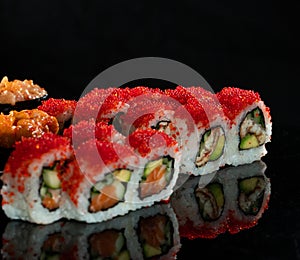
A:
<point x="19" y="95"/>
<point x="234" y="199"/>
<point x="149" y="233"/>
<point x="32" y="184"/>
<point x="250" y="124"/>
<point x="61" y="109"/>
<point x="90" y="130"/>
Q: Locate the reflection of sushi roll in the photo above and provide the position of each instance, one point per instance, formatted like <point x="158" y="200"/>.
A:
<point x="232" y="200"/>
<point x="19" y="95"/>
<point x="31" y="178"/>
<point x="250" y="124"/>
<point x="160" y="160"/>
<point x="23" y="240"/>
<point x="61" y="109"/>
<point x="154" y="233"/>
<point x="102" y="181"/>
<point x="250" y="194"/>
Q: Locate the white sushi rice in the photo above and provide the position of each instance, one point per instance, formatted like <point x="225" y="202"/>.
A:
<point x="27" y="205"/>
<point x="235" y="156"/>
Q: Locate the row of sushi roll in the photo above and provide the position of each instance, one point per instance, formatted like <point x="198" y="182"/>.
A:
<point x="125" y="149"/>
<point x="148" y="233"/>
<point x="229" y="200"/>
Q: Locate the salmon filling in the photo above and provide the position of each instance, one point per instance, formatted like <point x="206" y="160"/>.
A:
<point x="155" y="235"/>
<point x="157" y="175"/>
<point x="110" y="191"/>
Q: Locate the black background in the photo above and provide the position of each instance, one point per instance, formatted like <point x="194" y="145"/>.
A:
<point x="62" y="45"/>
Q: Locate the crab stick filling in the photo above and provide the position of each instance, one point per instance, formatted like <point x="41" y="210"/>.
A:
<point x="252" y="130"/>
<point x="155" y="235"/>
<point x="211" y="146"/>
<point x="109" y="191"/>
<point x="157" y="175"/>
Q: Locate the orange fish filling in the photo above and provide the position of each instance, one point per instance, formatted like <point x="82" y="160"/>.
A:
<point x="155" y="182"/>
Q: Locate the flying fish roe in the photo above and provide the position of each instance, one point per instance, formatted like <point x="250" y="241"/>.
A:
<point x="54" y="106"/>
<point x="145" y="140"/>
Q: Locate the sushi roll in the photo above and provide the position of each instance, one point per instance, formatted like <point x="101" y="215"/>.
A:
<point x="230" y="200"/>
<point x="250" y="124"/>
<point x="32" y="185"/>
<point x="201" y="119"/>
<point x="61" y="109"/>
<point x="19" y="95"/>
<point x="150" y="110"/>
<point x="160" y="159"/>
<point x="88" y="130"/>
<point x="101" y="181"/>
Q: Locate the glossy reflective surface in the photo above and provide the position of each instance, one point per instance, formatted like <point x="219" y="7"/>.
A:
<point x="270" y="231"/>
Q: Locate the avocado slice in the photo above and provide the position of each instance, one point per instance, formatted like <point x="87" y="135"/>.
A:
<point x="122" y="175"/>
<point x="216" y="190"/>
<point x="218" y="149"/>
<point x="124" y="255"/>
<point x="50" y="178"/>
<point x="150" y="251"/>
<point x="150" y="166"/>
<point x="248" y="185"/>
<point x="248" y="142"/>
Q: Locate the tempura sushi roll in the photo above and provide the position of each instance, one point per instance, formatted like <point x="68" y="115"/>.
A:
<point x="32" y="185"/>
<point x="62" y="109"/>
<point x="20" y="95"/>
<point x="101" y="181"/>
<point x="250" y="124"/>
<point x="159" y="162"/>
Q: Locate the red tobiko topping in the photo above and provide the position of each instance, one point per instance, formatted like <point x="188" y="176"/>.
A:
<point x="32" y="148"/>
<point x="55" y="107"/>
<point x="96" y="155"/>
<point x="235" y="100"/>
<point x="143" y="108"/>
<point x="86" y="130"/>
<point x="144" y="141"/>
<point x="180" y="93"/>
